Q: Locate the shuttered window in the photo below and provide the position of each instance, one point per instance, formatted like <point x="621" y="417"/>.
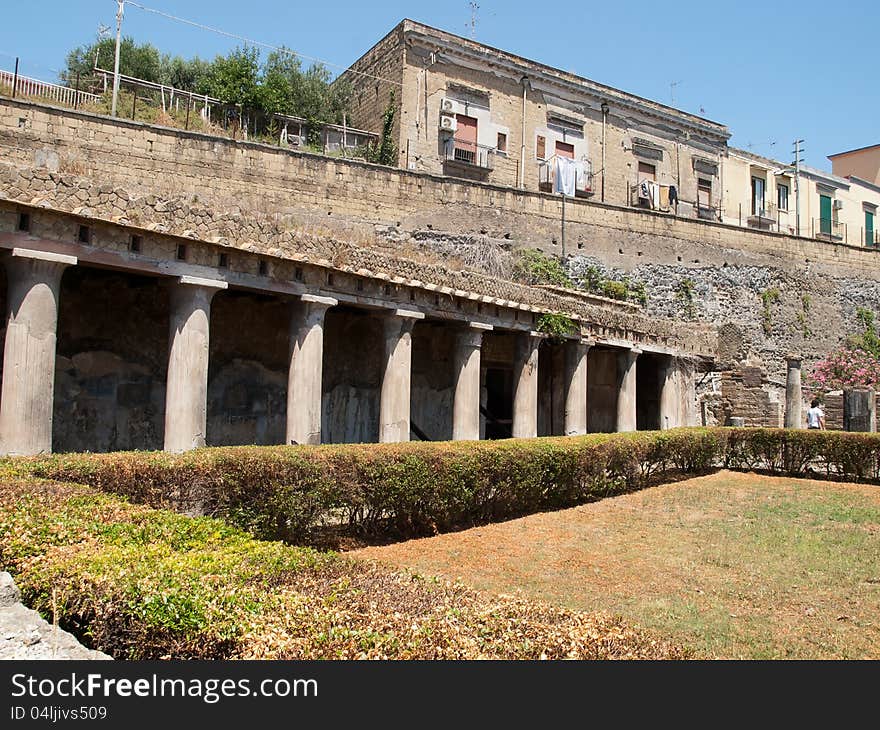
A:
<point x="541" y="148"/>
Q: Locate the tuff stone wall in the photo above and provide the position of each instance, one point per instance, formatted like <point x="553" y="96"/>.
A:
<point x="280" y="202"/>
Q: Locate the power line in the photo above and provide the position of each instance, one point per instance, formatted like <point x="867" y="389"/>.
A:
<point x="252" y="42"/>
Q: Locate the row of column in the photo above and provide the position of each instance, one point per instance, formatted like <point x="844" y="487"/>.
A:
<point x="26" y="403"/>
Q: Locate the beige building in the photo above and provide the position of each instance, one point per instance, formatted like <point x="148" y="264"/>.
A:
<point x="765" y="194"/>
<point x="467" y="110"/>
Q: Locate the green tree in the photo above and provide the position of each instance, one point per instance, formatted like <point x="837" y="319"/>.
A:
<point x="142" y="61"/>
<point x="234" y="78"/>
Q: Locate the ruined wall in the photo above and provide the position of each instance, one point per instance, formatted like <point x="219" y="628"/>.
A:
<point x="602" y="388"/>
<point x="111" y="363"/>
<point x="353" y="365"/>
<point x="247" y="195"/>
<point x="433" y="380"/>
<point x="247" y="376"/>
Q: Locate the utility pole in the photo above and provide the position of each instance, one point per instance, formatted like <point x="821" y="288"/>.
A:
<point x="120" y="10"/>
<point x="797" y="187"/>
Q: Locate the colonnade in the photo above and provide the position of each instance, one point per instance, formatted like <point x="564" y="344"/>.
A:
<point x="26" y="404"/>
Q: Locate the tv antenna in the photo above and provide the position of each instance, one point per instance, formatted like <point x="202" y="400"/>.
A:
<point x="672" y="85"/>
<point x="473" y="21"/>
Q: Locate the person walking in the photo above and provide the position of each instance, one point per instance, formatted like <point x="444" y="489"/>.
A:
<point x="815" y="415"/>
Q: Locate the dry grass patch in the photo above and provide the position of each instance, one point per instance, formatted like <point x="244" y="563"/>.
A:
<point x="732" y="565"/>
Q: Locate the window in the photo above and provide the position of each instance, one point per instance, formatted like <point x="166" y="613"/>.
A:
<point x="541" y="148"/>
<point x="564" y="149"/>
<point x="704" y="193"/>
<point x="501" y="145"/>
<point x="647" y="172"/>
<point x="869" y="228"/>
<point x="782" y="196"/>
<point x="223" y="261"/>
<point x="759" y="185"/>
<point x="135" y="244"/>
<point x="181" y="252"/>
<point x="24" y="222"/>
<point x="84" y="235"/>
<point x="263" y="268"/>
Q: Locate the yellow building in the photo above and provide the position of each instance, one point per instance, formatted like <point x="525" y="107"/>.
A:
<point x="766" y="194"/>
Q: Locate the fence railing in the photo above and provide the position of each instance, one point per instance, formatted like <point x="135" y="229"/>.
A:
<point x="25" y="86"/>
<point x="468" y="153"/>
<point x="828" y="228"/>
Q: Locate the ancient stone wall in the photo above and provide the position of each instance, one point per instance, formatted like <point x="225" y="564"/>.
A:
<point x="768" y="294"/>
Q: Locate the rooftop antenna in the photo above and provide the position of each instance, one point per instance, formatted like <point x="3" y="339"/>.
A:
<point x="473" y="22"/>
<point x="672" y="86"/>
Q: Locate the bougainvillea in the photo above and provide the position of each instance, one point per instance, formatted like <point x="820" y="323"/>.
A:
<point x="844" y="368"/>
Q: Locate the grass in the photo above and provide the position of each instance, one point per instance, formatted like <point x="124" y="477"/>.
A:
<point x="731" y="565"/>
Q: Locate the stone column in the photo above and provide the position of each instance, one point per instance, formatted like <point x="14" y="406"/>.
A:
<point x="466" y="404"/>
<point x="394" y="398"/>
<point x="794" y="396"/>
<point x="27" y="397"/>
<point x="670" y="395"/>
<point x="186" y="391"/>
<point x="306" y="369"/>
<point x="525" y="386"/>
<point x="626" y="394"/>
<point x="576" y="353"/>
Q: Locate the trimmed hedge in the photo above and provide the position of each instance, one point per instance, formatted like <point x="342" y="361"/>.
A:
<point x="296" y="493"/>
<point x="140" y="583"/>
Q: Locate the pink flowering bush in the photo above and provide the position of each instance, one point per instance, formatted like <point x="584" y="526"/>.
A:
<point x="844" y="368"/>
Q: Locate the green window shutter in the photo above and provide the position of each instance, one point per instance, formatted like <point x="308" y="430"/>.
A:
<point x="825" y="214"/>
<point x="869" y="228"/>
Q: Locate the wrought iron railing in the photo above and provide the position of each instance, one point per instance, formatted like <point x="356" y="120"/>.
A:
<point x="465" y="152"/>
<point x="828" y="228"/>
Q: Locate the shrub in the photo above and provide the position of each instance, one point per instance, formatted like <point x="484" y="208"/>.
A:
<point x="302" y="493"/>
<point x="534" y="267"/>
<point x="140" y="583"/>
<point x="312" y="494"/>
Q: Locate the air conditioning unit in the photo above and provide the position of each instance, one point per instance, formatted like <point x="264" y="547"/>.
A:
<point x="837" y="204"/>
<point x="447" y="106"/>
<point x="448" y="124"/>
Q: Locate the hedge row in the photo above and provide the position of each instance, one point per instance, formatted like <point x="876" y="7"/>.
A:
<point x="299" y="493"/>
<point x="140" y="583"/>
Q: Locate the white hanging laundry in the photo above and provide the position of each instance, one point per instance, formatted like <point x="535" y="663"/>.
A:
<point x="566" y="176"/>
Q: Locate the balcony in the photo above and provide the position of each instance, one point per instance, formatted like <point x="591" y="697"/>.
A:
<point x="826" y="229"/>
<point x="466" y="159"/>
<point x="764" y="219"/>
<point x="583" y="186"/>
<point x="706" y="212"/>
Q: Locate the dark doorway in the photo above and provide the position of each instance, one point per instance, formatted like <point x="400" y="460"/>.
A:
<point x="498" y="410"/>
<point x="649" y="368"/>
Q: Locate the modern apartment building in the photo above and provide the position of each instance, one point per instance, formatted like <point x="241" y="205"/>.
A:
<point x="467" y="110"/>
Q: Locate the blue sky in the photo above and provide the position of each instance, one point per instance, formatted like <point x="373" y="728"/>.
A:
<point x="772" y="71"/>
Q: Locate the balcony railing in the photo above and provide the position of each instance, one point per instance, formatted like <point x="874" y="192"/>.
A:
<point x="828" y="229"/>
<point x="467" y="154"/>
<point x="583" y="186"/>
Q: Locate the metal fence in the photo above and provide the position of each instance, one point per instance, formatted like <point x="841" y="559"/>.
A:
<point x="25" y="86"/>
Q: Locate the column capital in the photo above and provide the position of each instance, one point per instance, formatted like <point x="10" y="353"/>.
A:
<point x="55" y="258"/>
<point x="407" y="313"/>
<point x="200" y="281"/>
<point x="315" y="299"/>
<point x="793" y="360"/>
